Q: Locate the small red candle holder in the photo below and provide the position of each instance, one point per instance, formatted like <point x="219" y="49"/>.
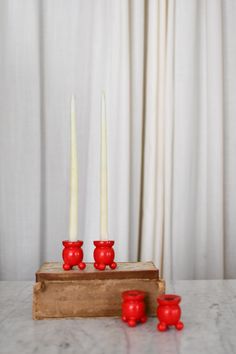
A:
<point x="133" y="307"/>
<point x="104" y="255"/>
<point x="72" y="255"/>
<point x="169" y="312"/>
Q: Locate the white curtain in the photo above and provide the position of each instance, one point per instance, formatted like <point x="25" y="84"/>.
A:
<point x="189" y="163"/>
<point x="168" y="70"/>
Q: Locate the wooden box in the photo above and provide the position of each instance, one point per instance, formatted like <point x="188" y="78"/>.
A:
<point x="92" y="293"/>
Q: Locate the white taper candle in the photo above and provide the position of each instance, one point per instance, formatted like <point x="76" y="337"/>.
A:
<point x="73" y="223"/>
<point x="103" y="175"/>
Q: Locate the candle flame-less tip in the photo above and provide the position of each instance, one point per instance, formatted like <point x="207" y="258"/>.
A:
<point x="72" y="99"/>
<point x="103" y="95"/>
<point x="72" y="104"/>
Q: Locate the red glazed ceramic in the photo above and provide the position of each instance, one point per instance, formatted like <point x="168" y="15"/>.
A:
<point x="169" y="312"/>
<point x="104" y="255"/>
<point x="72" y="254"/>
<point x="133" y="307"/>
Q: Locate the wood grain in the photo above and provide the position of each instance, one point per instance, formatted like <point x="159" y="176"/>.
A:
<point x="137" y="270"/>
<point x="60" y="294"/>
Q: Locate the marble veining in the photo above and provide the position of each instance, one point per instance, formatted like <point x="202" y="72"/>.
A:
<point x="209" y="314"/>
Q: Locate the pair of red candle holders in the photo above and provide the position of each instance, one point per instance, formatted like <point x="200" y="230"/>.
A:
<point x="73" y="255"/>
<point x="168" y="310"/>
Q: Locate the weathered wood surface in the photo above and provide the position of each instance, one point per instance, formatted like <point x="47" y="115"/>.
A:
<point x="129" y="270"/>
<point x="92" y="293"/>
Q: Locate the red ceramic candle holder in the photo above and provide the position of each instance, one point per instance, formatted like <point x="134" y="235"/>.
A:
<point x="72" y="255"/>
<point x="169" y="312"/>
<point x="104" y="255"/>
<point x="133" y="307"/>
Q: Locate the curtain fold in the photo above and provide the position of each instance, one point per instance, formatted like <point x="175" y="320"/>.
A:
<point x="168" y="71"/>
<point x="153" y="183"/>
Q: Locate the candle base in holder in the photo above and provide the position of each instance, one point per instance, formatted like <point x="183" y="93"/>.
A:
<point x="104" y="255"/>
<point x="72" y="255"/>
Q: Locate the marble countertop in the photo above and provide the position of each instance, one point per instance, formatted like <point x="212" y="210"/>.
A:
<point x="209" y="315"/>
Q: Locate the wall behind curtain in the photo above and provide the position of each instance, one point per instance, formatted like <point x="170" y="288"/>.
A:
<point x="168" y="72"/>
